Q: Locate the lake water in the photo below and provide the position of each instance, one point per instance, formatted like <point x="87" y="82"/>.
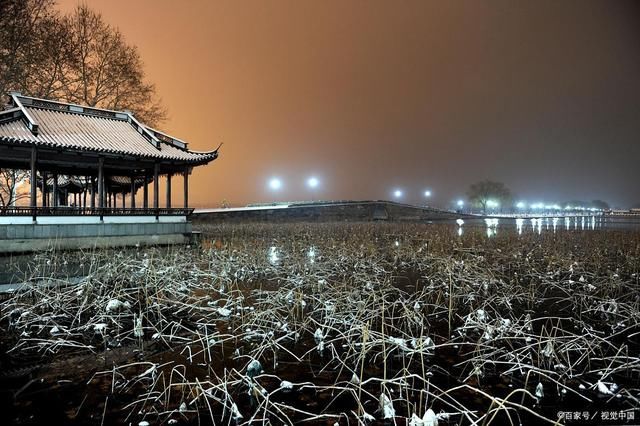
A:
<point x="69" y="267"/>
<point x="552" y="224"/>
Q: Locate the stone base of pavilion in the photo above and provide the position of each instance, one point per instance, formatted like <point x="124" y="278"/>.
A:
<point x="21" y="233"/>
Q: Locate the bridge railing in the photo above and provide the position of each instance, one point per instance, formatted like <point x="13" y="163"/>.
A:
<point x="79" y="211"/>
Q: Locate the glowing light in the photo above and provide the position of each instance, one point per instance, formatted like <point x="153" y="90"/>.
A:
<point x="275" y="184"/>
<point x="491" y="222"/>
<point x="555" y="223"/>
<point x="521" y="205"/>
<point x="460" y="222"/>
<point x="460" y="203"/>
<point x="492" y="203"/>
<point x="397" y="193"/>
<point x="427" y="193"/>
<point x="536" y="223"/>
<point x="519" y="225"/>
<point x="313" y="182"/>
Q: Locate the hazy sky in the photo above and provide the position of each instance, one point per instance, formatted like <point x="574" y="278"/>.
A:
<point x="375" y="95"/>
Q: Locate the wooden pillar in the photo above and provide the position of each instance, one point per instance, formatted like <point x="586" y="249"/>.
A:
<point x="85" y="193"/>
<point x="101" y="182"/>
<point x="93" y="192"/>
<point x="156" y="170"/>
<point x="133" y="192"/>
<point x="186" y="188"/>
<point x="168" y="190"/>
<point x="33" y="202"/>
<point x="44" y="189"/>
<point x="145" y="201"/>
<point x="55" y="190"/>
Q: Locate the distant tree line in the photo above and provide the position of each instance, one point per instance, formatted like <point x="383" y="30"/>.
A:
<point x="76" y="58"/>
<point x="482" y="194"/>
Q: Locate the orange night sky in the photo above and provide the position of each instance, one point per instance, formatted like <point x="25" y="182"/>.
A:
<point x="370" y="95"/>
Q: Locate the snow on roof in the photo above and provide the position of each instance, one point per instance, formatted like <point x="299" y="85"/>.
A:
<point x="61" y="125"/>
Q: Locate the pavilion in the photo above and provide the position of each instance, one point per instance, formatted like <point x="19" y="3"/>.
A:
<point x="96" y="154"/>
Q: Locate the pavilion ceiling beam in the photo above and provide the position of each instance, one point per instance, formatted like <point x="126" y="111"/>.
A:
<point x="20" y="158"/>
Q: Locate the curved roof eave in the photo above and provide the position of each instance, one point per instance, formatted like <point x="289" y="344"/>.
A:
<point x="200" y="157"/>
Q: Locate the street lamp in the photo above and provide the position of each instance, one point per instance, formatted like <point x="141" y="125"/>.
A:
<point x="397" y="193"/>
<point x="521" y="205"/>
<point x="460" y="203"/>
<point x="313" y="182"/>
<point x="275" y="184"/>
<point x="427" y="193"/>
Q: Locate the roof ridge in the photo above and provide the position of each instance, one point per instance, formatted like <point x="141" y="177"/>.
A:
<point x="65" y="107"/>
<point x="71" y="108"/>
<point x="31" y="123"/>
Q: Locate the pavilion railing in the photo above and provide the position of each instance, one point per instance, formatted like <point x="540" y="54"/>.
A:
<point x="79" y="211"/>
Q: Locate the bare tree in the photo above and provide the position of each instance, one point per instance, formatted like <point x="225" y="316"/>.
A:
<point x="601" y="205"/>
<point x="10" y="180"/>
<point x="104" y="71"/>
<point x="27" y="29"/>
<point x="77" y="58"/>
<point x="482" y="193"/>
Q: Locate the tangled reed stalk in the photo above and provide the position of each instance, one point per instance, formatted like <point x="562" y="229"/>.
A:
<point x="330" y="323"/>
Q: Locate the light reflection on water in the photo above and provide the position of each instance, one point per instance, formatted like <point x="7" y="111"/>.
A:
<point x="548" y="224"/>
<point x="492" y="226"/>
<point x="519" y="225"/>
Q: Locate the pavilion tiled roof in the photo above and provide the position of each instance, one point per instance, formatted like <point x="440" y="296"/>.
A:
<point x="67" y="126"/>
